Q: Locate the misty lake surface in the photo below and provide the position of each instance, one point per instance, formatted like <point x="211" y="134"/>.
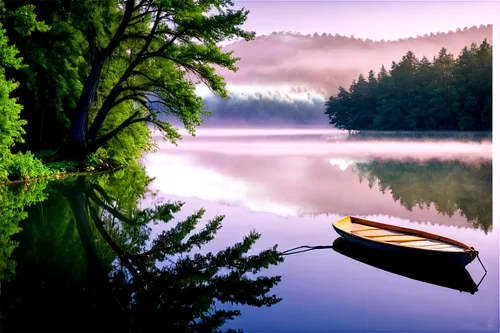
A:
<point x="289" y="185"/>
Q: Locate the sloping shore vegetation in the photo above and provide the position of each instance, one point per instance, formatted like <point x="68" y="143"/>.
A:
<point x="79" y="80"/>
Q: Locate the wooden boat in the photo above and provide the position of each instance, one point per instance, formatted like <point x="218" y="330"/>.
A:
<point x="419" y="269"/>
<point x="405" y="240"/>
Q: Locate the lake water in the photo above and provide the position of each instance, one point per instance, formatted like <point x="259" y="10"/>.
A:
<point x="287" y="184"/>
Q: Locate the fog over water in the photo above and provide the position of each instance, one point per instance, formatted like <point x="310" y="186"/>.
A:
<point x="328" y="143"/>
<point x="295" y="172"/>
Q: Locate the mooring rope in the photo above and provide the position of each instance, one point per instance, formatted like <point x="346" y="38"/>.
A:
<point x="479" y="259"/>
<point x="305" y="248"/>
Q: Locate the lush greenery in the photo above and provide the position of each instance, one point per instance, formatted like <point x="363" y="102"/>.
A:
<point x="11" y="129"/>
<point x="449" y="186"/>
<point x="14" y="201"/>
<point x="264" y="110"/>
<point x="445" y="94"/>
<point x="88" y="261"/>
<point x="87" y="76"/>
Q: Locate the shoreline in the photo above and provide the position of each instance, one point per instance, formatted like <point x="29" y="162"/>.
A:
<point x="58" y="176"/>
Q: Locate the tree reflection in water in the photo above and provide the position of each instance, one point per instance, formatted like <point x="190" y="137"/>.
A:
<point x="452" y="187"/>
<point x="86" y="263"/>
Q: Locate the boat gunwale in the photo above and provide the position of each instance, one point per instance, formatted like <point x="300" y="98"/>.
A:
<point x="466" y="249"/>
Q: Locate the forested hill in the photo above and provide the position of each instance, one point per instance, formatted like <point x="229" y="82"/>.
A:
<point x="444" y="93"/>
<point x="322" y="63"/>
<point x="326" y="61"/>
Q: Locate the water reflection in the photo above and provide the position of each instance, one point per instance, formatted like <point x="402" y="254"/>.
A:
<point x="422" y="270"/>
<point x="13" y="200"/>
<point x="452" y="193"/>
<point x="450" y="187"/>
<point x="317" y="143"/>
<point x="86" y="261"/>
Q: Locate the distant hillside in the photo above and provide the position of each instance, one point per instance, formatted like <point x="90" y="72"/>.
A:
<point x="265" y="110"/>
<point x="324" y="62"/>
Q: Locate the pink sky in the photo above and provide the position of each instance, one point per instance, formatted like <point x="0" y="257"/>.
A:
<point x="377" y="20"/>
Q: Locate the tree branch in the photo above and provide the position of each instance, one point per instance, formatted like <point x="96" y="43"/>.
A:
<point x="125" y="98"/>
<point x="117" y="89"/>
<point x="119" y="252"/>
<point x="108" y="136"/>
<point x="115" y="41"/>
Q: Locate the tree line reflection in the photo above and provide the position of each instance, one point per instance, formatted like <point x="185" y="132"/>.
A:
<point x="451" y="186"/>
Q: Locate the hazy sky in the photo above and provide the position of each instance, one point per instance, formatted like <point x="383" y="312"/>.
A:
<point x="368" y="19"/>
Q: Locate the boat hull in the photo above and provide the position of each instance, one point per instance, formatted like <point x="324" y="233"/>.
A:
<point x="420" y="269"/>
<point x="446" y="258"/>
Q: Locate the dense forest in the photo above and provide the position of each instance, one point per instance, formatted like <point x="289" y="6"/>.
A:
<point x="422" y="184"/>
<point x="263" y="111"/>
<point x="446" y="93"/>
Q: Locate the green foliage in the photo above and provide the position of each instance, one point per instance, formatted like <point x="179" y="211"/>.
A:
<point x="11" y="130"/>
<point x="95" y="81"/>
<point x="446" y="94"/>
<point x="128" y="145"/>
<point x="91" y="163"/>
<point x="453" y="187"/>
<point x="18" y="166"/>
<point x="14" y="200"/>
<point x="63" y="166"/>
<point x="10" y="125"/>
<point x="8" y="53"/>
<point x="91" y="160"/>
<point x="25" y="21"/>
<point x="26" y="166"/>
<point x="146" y="56"/>
<point x="53" y="51"/>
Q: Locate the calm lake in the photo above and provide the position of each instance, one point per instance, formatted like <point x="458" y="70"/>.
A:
<point x="289" y="185"/>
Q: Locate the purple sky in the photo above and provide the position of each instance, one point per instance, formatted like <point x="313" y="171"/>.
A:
<point x="368" y="19"/>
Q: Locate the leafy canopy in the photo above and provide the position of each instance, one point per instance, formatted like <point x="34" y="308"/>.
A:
<point x="145" y="58"/>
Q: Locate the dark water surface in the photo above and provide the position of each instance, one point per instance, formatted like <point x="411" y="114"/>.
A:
<point x="83" y="237"/>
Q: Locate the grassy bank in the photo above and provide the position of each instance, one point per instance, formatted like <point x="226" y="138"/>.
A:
<point x="28" y="167"/>
<point x="60" y="175"/>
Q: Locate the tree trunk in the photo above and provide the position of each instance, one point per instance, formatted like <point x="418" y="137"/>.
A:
<point x="76" y="145"/>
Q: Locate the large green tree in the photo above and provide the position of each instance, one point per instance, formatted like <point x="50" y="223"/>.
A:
<point x="146" y="53"/>
<point x="108" y="71"/>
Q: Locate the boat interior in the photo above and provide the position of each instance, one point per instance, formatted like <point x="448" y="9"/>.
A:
<point x="399" y="237"/>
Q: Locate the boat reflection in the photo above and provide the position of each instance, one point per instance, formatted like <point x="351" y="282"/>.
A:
<point x="453" y="277"/>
